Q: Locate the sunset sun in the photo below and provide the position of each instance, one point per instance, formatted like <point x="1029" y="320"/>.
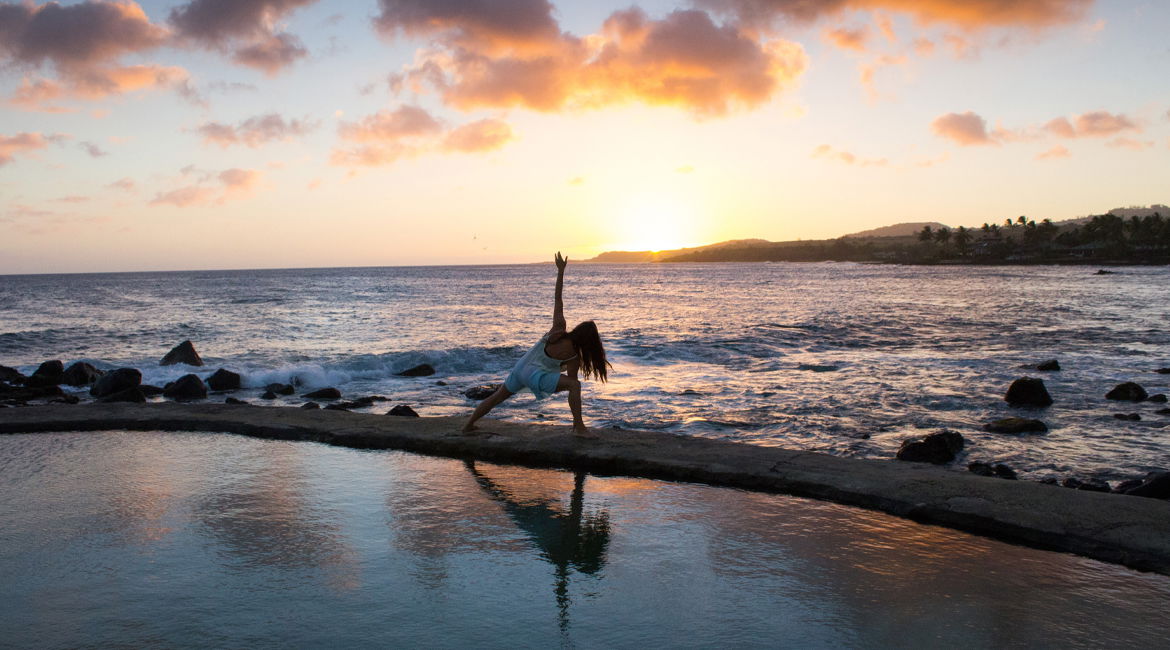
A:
<point x="654" y="223"/>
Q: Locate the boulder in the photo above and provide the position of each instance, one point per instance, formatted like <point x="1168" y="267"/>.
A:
<point x="335" y="407"/>
<point x="1127" y="392"/>
<point x="132" y="394"/>
<point x="938" y="448"/>
<point x="268" y="395"/>
<point x="182" y="353"/>
<point x="223" y="380"/>
<point x="237" y="402"/>
<point x="324" y="393"/>
<point x="310" y="405"/>
<point x="81" y="374"/>
<point x="421" y="370"/>
<point x="1048" y="366"/>
<point x="1163" y="411"/>
<point x="1156" y="485"/>
<point x="150" y="390"/>
<point x="65" y="399"/>
<point x="280" y="389"/>
<point x="116" y="381"/>
<point x="1016" y="425"/>
<point x="187" y="387"/>
<point x="47" y="374"/>
<point x="998" y="470"/>
<point x="1158" y="398"/>
<point x="1104" y="272"/>
<point x="402" y="410"/>
<point x="480" y="392"/>
<point x="1163" y="371"/>
<point x="1028" y="391"/>
<point x="1089" y="485"/>
<point x="1131" y="417"/>
<point x="11" y="375"/>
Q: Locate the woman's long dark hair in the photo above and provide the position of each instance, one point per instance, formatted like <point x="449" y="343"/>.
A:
<point x="587" y="342"/>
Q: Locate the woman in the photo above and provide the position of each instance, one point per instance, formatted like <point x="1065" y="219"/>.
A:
<point x="539" y="371"/>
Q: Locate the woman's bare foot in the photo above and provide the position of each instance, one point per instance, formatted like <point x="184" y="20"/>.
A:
<point x="469" y="427"/>
<point x="584" y="432"/>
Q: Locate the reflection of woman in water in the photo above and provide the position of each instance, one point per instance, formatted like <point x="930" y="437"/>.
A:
<point x="539" y="371"/>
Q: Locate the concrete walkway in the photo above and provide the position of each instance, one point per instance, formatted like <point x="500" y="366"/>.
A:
<point x="1127" y="530"/>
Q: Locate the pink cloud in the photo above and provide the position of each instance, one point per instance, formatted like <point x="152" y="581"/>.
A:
<point x="404" y="122"/>
<point x="245" y="29"/>
<point x="254" y="131"/>
<point x="388" y="136"/>
<point x="482" y="135"/>
<point x="124" y="184"/>
<point x="969" y="14"/>
<point x="22" y="143"/>
<point x="185" y="196"/>
<point x="1096" y="124"/>
<point x="1054" y="153"/>
<point x="965" y="129"/>
<point x="1129" y="143"/>
<point x="212" y="187"/>
<point x="827" y="152"/>
<point x="848" y="39"/>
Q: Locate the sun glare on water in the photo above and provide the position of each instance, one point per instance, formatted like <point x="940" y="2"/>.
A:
<point x="654" y="223"/>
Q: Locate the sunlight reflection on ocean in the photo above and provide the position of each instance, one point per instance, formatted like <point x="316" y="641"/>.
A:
<point x="844" y="358"/>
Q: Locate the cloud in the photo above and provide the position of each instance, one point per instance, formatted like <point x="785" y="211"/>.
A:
<point x="254" y="131"/>
<point x="245" y="29"/>
<point x="1059" y="151"/>
<point x="1097" y="124"/>
<point x="73" y="198"/>
<point x="848" y="39"/>
<point x="967" y="14"/>
<point x="22" y="143"/>
<point x="482" y="135"/>
<point x="965" y="129"/>
<point x="827" y="152"/>
<point x="404" y="122"/>
<point x="510" y="53"/>
<point x="213" y="187"/>
<point x="83" y="44"/>
<point x="93" y="150"/>
<point x="124" y="184"/>
<point x="1129" y="143"/>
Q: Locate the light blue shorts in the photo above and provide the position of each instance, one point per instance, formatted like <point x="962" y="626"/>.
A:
<point x="542" y="383"/>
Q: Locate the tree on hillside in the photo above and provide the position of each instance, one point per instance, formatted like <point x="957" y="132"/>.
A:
<point x="926" y="234"/>
<point x="963" y="240"/>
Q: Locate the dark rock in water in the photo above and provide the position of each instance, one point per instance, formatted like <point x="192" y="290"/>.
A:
<point x="66" y="399"/>
<point x="403" y="410"/>
<point x="116" y="381"/>
<point x="187" y="387"/>
<point x="280" y="389"/>
<point x="421" y="370"/>
<point x="1089" y="485"/>
<point x="223" y="380"/>
<point x="1016" y="425"/>
<point x="237" y="402"/>
<point x="1125" y="486"/>
<point x="440" y="383"/>
<point x="150" y="390"/>
<point x="21" y="394"/>
<point x="335" y="407"/>
<point x="81" y="374"/>
<point x="813" y="367"/>
<point x="1104" y="272"/>
<point x="938" y="448"/>
<point x="47" y="374"/>
<point x="1048" y="480"/>
<point x="182" y="353"/>
<point x="1160" y="371"/>
<point x="1163" y="411"/>
<point x="132" y="394"/>
<point x="310" y="405"/>
<point x="1158" y="398"/>
<point x="483" y="391"/>
<point x="1048" y="366"/>
<point x="11" y="375"/>
<point x="1132" y="417"/>
<point x="324" y="393"/>
<point x="1156" y="485"/>
<point x="998" y="470"/>
<point x="1127" y="392"/>
<point x="268" y="395"/>
<point x="1028" y="391"/>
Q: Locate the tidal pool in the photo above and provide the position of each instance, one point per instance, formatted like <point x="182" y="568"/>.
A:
<point x="213" y="540"/>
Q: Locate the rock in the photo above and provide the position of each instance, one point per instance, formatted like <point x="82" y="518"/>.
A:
<point x="1158" y="398"/>
<point x="310" y="405"/>
<point x="237" y="402"/>
<point x="1163" y="411"/>
<point x="1127" y="392"/>
<point x="403" y="410"/>
<point x="187" y="387"/>
<point x="268" y="395"/>
<point x="66" y="399"/>
<point x="480" y="392"/>
<point x="81" y="374"/>
<point x="324" y="393"/>
<point x="1016" y="425"/>
<point x="1048" y="366"/>
<point x="938" y="448"/>
<point x="116" y="381"/>
<point x="335" y="407"/>
<point x="440" y="383"/>
<point x="1125" y="486"/>
<point x="132" y="394"/>
<point x="1156" y="485"/>
<point x="150" y="390"/>
<point x="1104" y="272"/>
<point x="280" y="389"/>
<point x="1027" y="391"/>
<point x="1160" y="371"/>
<point x="182" y="353"/>
<point x="421" y="370"/>
<point x="11" y="375"/>
<point x="998" y="470"/>
<point x="223" y="380"/>
<point x="1132" y="417"/>
<point x="47" y="374"/>
<point x="1089" y="485"/>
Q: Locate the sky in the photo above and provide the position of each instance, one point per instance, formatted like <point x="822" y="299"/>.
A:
<point x="231" y="134"/>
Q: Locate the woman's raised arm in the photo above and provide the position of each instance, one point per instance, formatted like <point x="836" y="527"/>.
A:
<point x="558" y="302"/>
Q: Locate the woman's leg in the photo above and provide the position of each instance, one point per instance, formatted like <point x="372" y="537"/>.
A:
<point x="573" y="385"/>
<point x="486" y="406"/>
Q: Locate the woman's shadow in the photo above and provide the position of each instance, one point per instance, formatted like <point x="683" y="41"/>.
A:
<point x="569" y="540"/>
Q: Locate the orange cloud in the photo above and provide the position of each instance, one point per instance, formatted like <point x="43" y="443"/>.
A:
<point x="827" y="152"/>
<point x="848" y="39"/>
<point x="482" y="135"/>
<point x="124" y="184"/>
<point x="965" y="129"/>
<point x="1129" y="143"/>
<point x="480" y="59"/>
<point x="388" y="136"/>
<point x="1054" y="153"/>
<point x="386" y="126"/>
<point x="22" y="143"/>
<point x="254" y="131"/>
<point x="968" y="14"/>
<point x="1097" y="124"/>
<point x="232" y="184"/>
<point x="246" y="29"/>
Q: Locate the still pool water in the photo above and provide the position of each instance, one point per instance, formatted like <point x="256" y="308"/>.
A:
<point x="212" y="540"/>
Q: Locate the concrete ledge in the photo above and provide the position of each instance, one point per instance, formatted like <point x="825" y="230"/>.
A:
<point x="1127" y="530"/>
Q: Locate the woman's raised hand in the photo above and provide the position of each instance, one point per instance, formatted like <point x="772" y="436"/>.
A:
<point x="561" y="261"/>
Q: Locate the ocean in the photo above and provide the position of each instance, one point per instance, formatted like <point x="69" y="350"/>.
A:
<point x="840" y="358"/>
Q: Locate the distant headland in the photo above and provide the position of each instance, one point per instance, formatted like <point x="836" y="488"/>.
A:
<point x="1135" y="235"/>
